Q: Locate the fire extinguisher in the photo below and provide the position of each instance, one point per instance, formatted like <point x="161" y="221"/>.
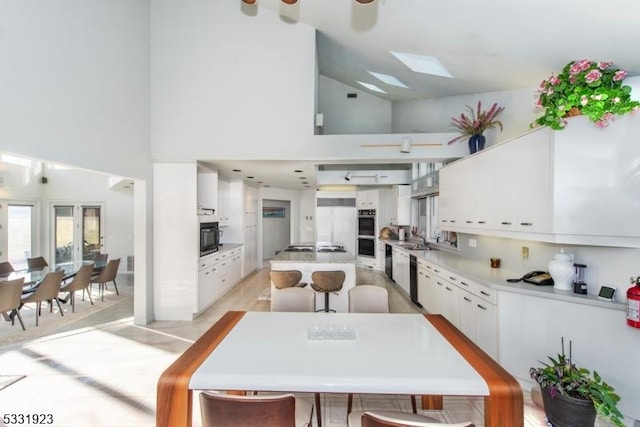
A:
<point x="633" y="303"/>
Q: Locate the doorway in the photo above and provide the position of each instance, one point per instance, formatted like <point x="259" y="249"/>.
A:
<point x="276" y="226"/>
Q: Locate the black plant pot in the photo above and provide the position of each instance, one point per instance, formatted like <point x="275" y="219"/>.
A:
<point x="563" y="411"/>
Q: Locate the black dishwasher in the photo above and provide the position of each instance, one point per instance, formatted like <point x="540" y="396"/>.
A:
<point x="413" y="280"/>
<point x="388" y="261"/>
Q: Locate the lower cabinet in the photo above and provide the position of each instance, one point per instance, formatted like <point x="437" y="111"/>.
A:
<point x="469" y="306"/>
<point x="217" y="274"/>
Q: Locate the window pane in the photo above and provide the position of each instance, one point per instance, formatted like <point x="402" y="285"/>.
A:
<point x="90" y="232"/>
<point x="19" y="229"/>
<point x="63" y="233"/>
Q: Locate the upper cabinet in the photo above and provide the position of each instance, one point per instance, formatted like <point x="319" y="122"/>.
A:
<point x="400" y="205"/>
<point x="580" y="185"/>
<point x="367" y="199"/>
<point x="207" y="192"/>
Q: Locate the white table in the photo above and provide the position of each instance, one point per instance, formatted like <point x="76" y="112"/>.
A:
<point x="392" y="353"/>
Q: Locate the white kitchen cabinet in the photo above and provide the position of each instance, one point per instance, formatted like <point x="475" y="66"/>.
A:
<point x="571" y="186"/>
<point x="399" y="205"/>
<point x="367" y="199"/>
<point x="207" y="191"/>
<point x="380" y="255"/>
<point x="479" y="322"/>
<point x="224" y="202"/>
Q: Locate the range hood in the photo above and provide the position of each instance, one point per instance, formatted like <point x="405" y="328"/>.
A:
<point x="426" y="186"/>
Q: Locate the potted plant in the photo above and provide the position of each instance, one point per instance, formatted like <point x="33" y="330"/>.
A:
<point x="572" y="396"/>
<point x="590" y="88"/>
<point x="472" y="126"/>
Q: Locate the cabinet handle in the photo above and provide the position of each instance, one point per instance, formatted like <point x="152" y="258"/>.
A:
<point x="428" y="277"/>
<point x="482" y="222"/>
<point x="444" y="220"/>
<point x="481" y="307"/>
<point x="448" y="288"/>
<point x="453" y="278"/>
<point x="436" y="270"/>
<point x="439" y="283"/>
<point x="466" y="284"/>
<point x="467" y="299"/>
<point x="453" y="220"/>
<point x="485" y="293"/>
<point x="526" y="224"/>
<point x="506" y="223"/>
<point x="429" y="267"/>
<point x="469" y="222"/>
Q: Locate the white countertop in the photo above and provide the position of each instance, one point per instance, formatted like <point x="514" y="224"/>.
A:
<point x="391" y="353"/>
<point x="496" y="278"/>
<point x="314" y="257"/>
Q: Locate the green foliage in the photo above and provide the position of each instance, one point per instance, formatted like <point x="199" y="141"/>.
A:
<point x="593" y="88"/>
<point x="563" y="377"/>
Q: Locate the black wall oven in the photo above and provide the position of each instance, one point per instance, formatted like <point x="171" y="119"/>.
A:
<point x="367" y="233"/>
<point x="209" y="238"/>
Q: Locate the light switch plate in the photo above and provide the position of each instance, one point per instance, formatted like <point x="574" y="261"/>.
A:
<point x="473" y="243"/>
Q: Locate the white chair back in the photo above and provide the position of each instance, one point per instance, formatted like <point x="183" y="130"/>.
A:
<point x="368" y="299"/>
<point x="293" y="299"/>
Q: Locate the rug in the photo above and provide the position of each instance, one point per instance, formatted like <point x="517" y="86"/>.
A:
<point x="265" y="295"/>
<point x="7" y="380"/>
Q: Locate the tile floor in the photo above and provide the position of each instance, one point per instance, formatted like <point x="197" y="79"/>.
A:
<point x="94" y="367"/>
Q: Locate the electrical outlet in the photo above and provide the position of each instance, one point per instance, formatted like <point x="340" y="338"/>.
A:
<point x="473" y="243"/>
<point x="525" y="252"/>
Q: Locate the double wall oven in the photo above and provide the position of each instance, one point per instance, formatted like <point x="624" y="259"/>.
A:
<point x="367" y="233"/>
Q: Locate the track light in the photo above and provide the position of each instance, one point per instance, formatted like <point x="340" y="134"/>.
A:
<point x="290" y="2"/>
<point x="405" y="145"/>
<point x="347" y="177"/>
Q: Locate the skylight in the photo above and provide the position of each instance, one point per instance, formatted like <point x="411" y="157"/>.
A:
<point x="390" y="80"/>
<point x="423" y="64"/>
<point x="371" y="87"/>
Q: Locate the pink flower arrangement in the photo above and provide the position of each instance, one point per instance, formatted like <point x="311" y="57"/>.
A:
<point x="477" y="121"/>
<point x="591" y="88"/>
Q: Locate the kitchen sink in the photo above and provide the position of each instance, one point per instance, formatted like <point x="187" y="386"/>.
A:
<point x="415" y="247"/>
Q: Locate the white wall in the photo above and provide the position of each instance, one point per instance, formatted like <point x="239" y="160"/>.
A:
<point x="434" y="115"/>
<point x="74" y="78"/>
<point x="365" y="114"/>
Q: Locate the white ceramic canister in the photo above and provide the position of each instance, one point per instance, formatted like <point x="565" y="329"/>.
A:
<point x="562" y="271"/>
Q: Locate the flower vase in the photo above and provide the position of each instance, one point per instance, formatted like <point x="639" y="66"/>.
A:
<point x="476" y="143"/>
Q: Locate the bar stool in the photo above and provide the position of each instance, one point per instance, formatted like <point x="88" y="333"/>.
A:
<point x="287" y="279"/>
<point x="326" y="282"/>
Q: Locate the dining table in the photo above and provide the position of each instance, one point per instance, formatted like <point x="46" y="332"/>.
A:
<point x="382" y="353"/>
<point x="34" y="276"/>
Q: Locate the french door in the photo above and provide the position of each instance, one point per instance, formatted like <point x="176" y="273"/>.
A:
<point x="78" y="231"/>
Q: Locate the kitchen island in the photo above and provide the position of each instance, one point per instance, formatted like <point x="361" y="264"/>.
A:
<point x="308" y="258"/>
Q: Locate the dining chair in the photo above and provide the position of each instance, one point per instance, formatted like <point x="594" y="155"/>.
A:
<point x="397" y="419"/>
<point x="286" y="278"/>
<point x="226" y="410"/>
<point x="293" y="299"/>
<point x="370" y="299"/>
<point x="327" y="282"/>
<point x="6" y="267"/>
<point x="37" y="262"/>
<point x="11" y="299"/>
<point x="107" y="275"/>
<point x="47" y="290"/>
<point x="81" y="281"/>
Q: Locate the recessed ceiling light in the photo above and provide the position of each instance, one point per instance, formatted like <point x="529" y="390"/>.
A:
<point x="423" y="64"/>
<point x="371" y="87"/>
<point x="237" y="170"/>
<point x="390" y="80"/>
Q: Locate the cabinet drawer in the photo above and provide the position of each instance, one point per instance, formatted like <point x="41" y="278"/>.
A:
<point x="481" y="291"/>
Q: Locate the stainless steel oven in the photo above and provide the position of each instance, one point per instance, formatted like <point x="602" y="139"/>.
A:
<point x="367" y="247"/>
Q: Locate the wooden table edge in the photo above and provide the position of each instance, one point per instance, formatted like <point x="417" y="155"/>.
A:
<point x="505" y="404"/>
<point x="174" y="398"/>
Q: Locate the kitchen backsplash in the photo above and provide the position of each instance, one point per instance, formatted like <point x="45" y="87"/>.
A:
<point x="605" y="265"/>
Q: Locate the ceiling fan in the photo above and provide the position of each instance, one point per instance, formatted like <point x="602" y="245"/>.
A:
<point x="296" y="1"/>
